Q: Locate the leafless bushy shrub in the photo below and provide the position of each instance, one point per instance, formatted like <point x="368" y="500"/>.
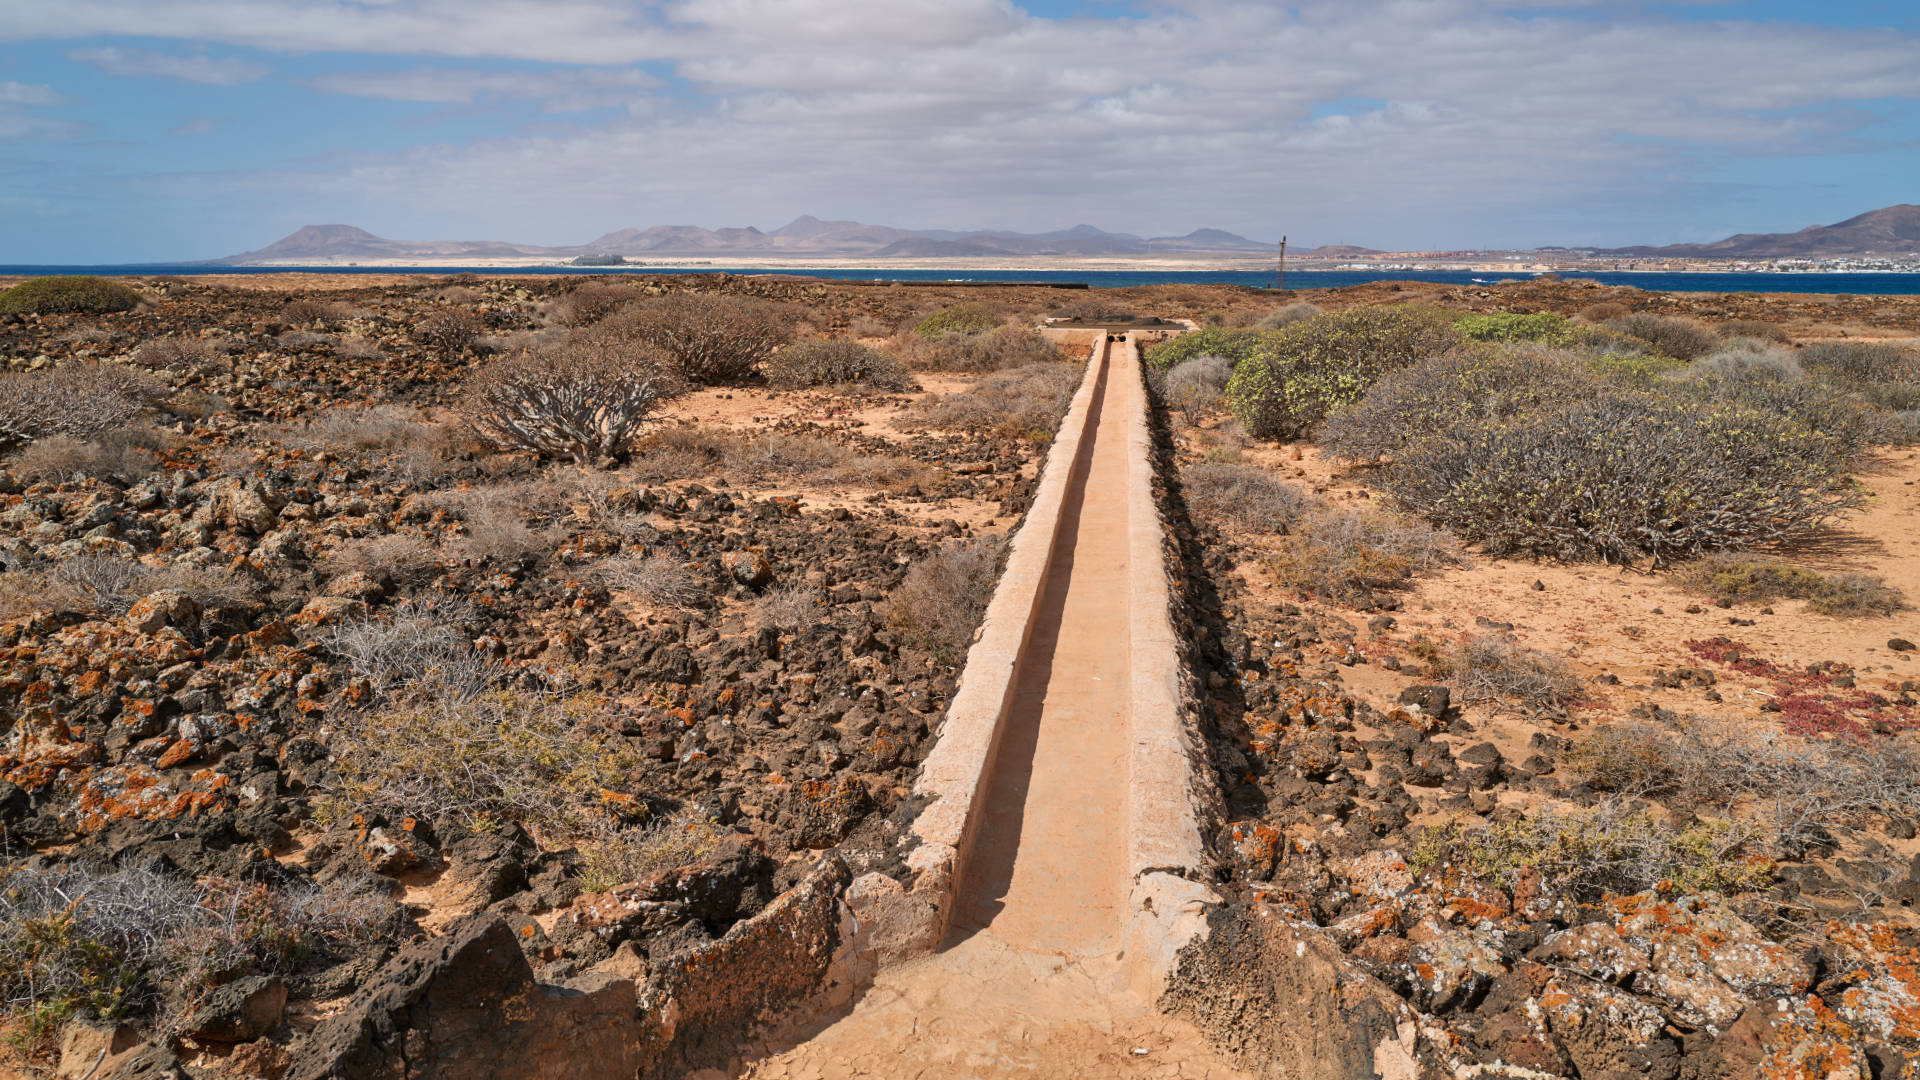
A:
<point x="182" y="354"/>
<point x="497" y="527"/>
<point x="1198" y="386"/>
<point x="595" y="300"/>
<point x="1248" y="496"/>
<point x="306" y="311"/>
<point x="1792" y="784"/>
<point x="835" y="362"/>
<point x="1298" y="311"/>
<point x="1028" y="401"/>
<point x="658" y="579"/>
<point x="75" y="400"/>
<point x="1349" y="554"/>
<point x="940" y="602"/>
<point x="400" y="555"/>
<point x="1682" y="339"/>
<point x="451" y="329"/>
<point x="712" y="337"/>
<point x="998" y="349"/>
<point x="1495" y="671"/>
<point x="124" y="454"/>
<point x="787" y="608"/>
<point x="423" y="637"/>
<point x="100" y="585"/>
<point x="583" y="401"/>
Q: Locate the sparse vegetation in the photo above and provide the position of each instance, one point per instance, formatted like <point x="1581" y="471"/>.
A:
<point x="78" y="294"/>
<point x="658" y="579"/>
<point x="102" y="585"/>
<point x="617" y="854"/>
<point x="585" y="401"/>
<point x="1198" y="386"/>
<point x="944" y="596"/>
<point x="1022" y="402"/>
<point x="1748" y="579"/>
<point x="1248" y="496"/>
<point x="998" y="349"/>
<point x="835" y="362"/>
<point x="1506" y="674"/>
<point x="787" y="608"/>
<point x="1347" y="555"/>
<point x="1681" y="339"/>
<point x="712" y="337"/>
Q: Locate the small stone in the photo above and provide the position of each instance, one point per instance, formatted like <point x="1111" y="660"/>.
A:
<point x="1539" y="586"/>
<point x="1900" y="644"/>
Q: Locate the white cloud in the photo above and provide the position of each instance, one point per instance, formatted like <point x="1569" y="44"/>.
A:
<point x="568" y="90"/>
<point x="137" y="63"/>
<point x="974" y="112"/>
<point x="16" y="93"/>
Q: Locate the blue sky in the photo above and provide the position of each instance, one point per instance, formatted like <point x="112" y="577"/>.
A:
<point x="170" y="129"/>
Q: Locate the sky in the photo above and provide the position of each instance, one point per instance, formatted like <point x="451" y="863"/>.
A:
<point x="157" y="130"/>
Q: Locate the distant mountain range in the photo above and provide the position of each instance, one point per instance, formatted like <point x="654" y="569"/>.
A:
<point x="1892" y="231"/>
<point x="804" y="236"/>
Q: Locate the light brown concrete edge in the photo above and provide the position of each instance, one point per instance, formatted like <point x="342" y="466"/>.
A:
<point x="1168" y="789"/>
<point x="889" y="920"/>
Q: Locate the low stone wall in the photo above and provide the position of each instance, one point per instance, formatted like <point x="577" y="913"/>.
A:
<point x="1173" y="803"/>
<point x="466" y="1004"/>
<point x="901" y="919"/>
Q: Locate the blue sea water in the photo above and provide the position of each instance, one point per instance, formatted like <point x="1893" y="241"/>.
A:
<point x="1867" y="284"/>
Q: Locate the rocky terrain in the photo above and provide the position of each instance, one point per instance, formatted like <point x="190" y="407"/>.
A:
<point x="312" y="695"/>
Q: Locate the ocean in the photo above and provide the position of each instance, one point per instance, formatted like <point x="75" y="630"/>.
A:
<point x="1866" y="284"/>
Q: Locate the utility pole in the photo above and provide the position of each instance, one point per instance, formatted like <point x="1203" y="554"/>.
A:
<point x="1280" y="275"/>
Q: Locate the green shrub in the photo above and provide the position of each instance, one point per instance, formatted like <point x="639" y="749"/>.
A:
<point x="1681" y="339"/>
<point x="79" y="294"/>
<point x="1295" y="376"/>
<point x="960" y="319"/>
<point x="1224" y="341"/>
<point x="1545" y="328"/>
<point x="1607" y="850"/>
<point x="1438" y="393"/>
<point x="1849" y="423"/>
<point x="833" y="362"/>
<point x="1754" y="580"/>
<point x="1623" y="477"/>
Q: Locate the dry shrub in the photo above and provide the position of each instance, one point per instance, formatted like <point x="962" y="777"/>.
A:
<point x="1681" y="339"/>
<point x="1025" y="402"/>
<point x="1248" y="496"/>
<point x="659" y="580"/>
<point x="1495" y="671"/>
<point x="1347" y="555"/>
<point x="124" y="455"/>
<point x="477" y="752"/>
<point x="1794" y="786"/>
<point x="1755" y="580"/>
<point x="307" y="311"/>
<point x="992" y="350"/>
<point x="1756" y="330"/>
<point x="451" y="329"/>
<point x="614" y="855"/>
<point x="116" y="942"/>
<point x="75" y="400"/>
<point x="1886" y="375"/>
<point x="1198" y="386"/>
<point x="1605" y="312"/>
<point x="401" y="556"/>
<point x="835" y="362"/>
<point x="1298" y="311"/>
<point x="712" y="337"/>
<point x="189" y="356"/>
<point x="497" y="527"/>
<point x="421" y="638"/>
<point x="103" y="586"/>
<point x="939" y="604"/>
<point x="595" y="300"/>
<point x="866" y="327"/>
<point x="584" y="401"/>
<point x="354" y="347"/>
<point x="787" y="608"/>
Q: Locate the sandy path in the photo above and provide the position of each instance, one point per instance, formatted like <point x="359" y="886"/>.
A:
<point x="1032" y="981"/>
